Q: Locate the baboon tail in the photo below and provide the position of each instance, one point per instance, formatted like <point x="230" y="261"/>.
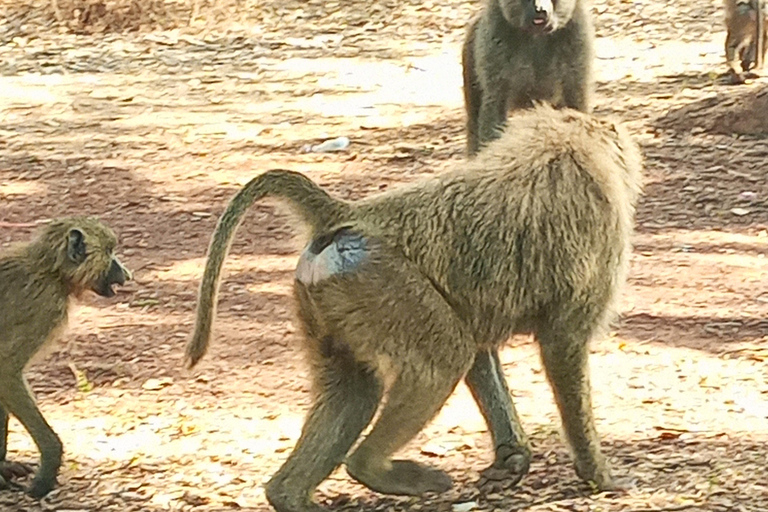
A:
<point x="314" y="205"/>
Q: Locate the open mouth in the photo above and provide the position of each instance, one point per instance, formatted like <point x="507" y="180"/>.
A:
<point x="105" y="290"/>
<point x="540" y="26"/>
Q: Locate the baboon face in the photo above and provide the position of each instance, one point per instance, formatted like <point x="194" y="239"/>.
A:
<point x="537" y="16"/>
<point x="88" y="261"/>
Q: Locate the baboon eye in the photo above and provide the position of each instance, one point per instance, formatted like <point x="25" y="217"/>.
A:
<point x="76" y="250"/>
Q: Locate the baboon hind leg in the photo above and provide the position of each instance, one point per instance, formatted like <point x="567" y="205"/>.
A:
<point x="16" y="399"/>
<point x="489" y="388"/>
<point x="434" y="352"/>
<point x="411" y="403"/>
<point x="348" y="394"/>
<point x="565" y="355"/>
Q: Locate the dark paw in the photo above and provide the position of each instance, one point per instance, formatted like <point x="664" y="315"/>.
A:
<point x="737" y="78"/>
<point x="286" y="499"/>
<point x="40" y="487"/>
<point x="511" y="465"/>
<point x="599" y="477"/>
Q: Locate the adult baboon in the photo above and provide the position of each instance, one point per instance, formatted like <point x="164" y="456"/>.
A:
<point x="406" y="287"/>
<point x="744" y="37"/>
<point x="517" y="52"/>
<point x="68" y="257"/>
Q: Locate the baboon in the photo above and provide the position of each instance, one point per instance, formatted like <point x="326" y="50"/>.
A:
<point x="37" y="279"/>
<point x="741" y="43"/>
<point x="398" y="293"/>
<point x="517" y="52"/>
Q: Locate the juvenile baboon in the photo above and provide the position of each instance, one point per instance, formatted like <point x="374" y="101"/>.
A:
<point x="37" y="279"/>
<point x="517" y="52"/>
<point x="408" y="286"/>
<point x="741" y="43"/>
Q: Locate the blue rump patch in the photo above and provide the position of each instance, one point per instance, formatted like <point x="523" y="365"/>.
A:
<point x="333" y="253"/>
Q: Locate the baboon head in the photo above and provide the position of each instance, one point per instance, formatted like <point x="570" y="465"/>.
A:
<point x="82" y="251"/>
<point x="537" y="16"/>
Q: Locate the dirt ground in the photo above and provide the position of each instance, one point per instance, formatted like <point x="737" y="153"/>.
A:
<point x="154" y="129"/>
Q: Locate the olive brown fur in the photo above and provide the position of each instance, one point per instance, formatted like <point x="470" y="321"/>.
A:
<point x="397" y="294"/>
<point x="37" y="280"/>
<point x="517" y="52"/>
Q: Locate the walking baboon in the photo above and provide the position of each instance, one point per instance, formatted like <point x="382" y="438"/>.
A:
<point x="408" y="286"/>
<point x="68" y="257"/>
<point x="517" y="52"/>
<point x="742" y="41"/>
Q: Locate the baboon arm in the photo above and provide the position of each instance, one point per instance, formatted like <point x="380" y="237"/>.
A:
<point x="488" y="385"/>
<point x="493" y="115"/>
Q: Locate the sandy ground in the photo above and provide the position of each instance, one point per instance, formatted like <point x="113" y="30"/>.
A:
<point x="154" y="130"/>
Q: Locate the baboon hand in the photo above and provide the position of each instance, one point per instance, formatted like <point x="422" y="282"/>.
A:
<point x="511" y="465"/>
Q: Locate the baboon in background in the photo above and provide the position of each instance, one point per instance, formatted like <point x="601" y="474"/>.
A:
<point x="68" y="257"/>
<point x="397" y="293"/>
<point x="741" y="43"/>
<point x="520" y="51"/>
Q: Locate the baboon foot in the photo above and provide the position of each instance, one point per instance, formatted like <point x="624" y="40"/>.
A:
<point x="41" y="486"/>
<point x="737" y="78"/>
<point x="512" y="464"/>
<point x="283" y="500"/>
<point x="405" y="477"/>
<point x="598" y="475"/>
<point x="11" y="470"/>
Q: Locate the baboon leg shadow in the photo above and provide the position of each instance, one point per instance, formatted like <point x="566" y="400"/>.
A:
<point x="348" y="394"/>
<point x="564" y="355"/>
<point x="489" y="388"/>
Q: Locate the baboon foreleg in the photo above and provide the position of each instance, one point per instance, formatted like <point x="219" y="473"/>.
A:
<point x="565" y="360"/>
<point x="731" y="57"/>
<point x="576" y="89"/>
<point x="348" y="395"/>
<point x="489" y="387"/>
<point x="473" y="93"/>
<point x="472" y="100"/>
<point x="16" y="398"/>
<point x="493" y="115"/>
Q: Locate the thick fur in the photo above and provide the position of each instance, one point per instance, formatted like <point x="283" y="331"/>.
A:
<point x="741" y="42"/>
<point x="68" y="257"/>
<point x="399" y="292"/>
<point x="511" y="61"/>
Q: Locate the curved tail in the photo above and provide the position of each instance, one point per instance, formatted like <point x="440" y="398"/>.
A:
<point x="314" y="205"/>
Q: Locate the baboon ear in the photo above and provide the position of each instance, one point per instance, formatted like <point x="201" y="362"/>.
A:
<point x="76" y="246"/>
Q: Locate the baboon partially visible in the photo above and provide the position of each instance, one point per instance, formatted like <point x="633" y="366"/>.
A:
<point x="741" y="43"/>
<point x="398" y="293"/>
<point x="520" y="51"/>
<point x="68" y="257"/>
